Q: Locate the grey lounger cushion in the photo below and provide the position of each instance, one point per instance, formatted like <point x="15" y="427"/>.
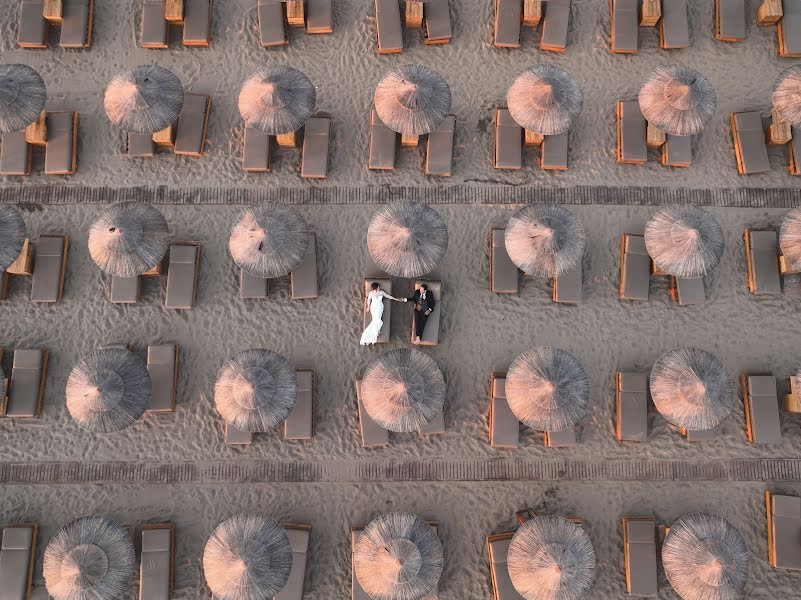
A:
<point x="437" y="21"/>
<point x="631" y="133"/>
<point x="60" y="152"/>
<point x="439" y="148"/>
<point x="504" y="275"/>
<point x="689" y="290"/>
<point x="677" y="151"/>
<point x="272" y="29"/>
<point x="435" y="426"/>
<point x="504" y="428"/>
<point x="140" y="145"/>
<point x="15" y="154"/>
<point x="497" y="552"/>
<point x="674" y="30"/>
<point x="357" y="592"/>
<point x="155" y="575"/>
<point x="48" y="271"/>
<point x="625" y="26"/>
<point x="631" y="403"/>
<point x="299" y="425"/>
<point x="430" y="335"/>
<point x="730" y="20"/>
<point x="507" y="23"/>
<point x="702" y="436"/>
<point x="563" y="438"/>
<point x="762" y="410"/>
<point x="190" y="133"/>
<point x="76" y="24"/>
<point x="32" y="30"/>
<point x="304" y="278"/>
<point x="182" y="275"/>
<point x="784" y="522"/>
<point x="197" y="22"/>
<point x="388" y="26"/>
<point x="16" y="561"/>
<point x="162" y="364"/>
<point x="749" y="143"/>
<point x="237" y="437"/>
<point x="124" y="290"/>
<point x="567" y="288"/>
<point x="789" y="29"/>
<point x="508" y="141"/>
<point x="640" y="535"/>
<point x="316" y="134"/>
<point x="319" y="16"/>
<point x="27" y="383"/>
<point x="383" y="142"/>
<point x="762" y="253"/>
<point x="553" y="152"/>
<point x="555" y="24"/>
<point x="299" y="541"/>
<point x="373" y="435"/>
<point x="258" y="151"/>
<point x="386" y="285"/>
<point x="635" y="268"/>
<point x="155" y="29"/>
<point x="251" y="287"/>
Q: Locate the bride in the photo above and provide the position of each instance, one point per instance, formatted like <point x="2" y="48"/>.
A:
<point x="375" y="303"/>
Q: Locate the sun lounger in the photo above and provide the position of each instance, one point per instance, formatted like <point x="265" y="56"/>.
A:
<point x="504" y="275"/>
<point x="237" y="437"/>
<point x="26" y="389"/>
<point x="567" y="287"/>
<point x="639" y="551"/>
<point x="435" y="426"/>
<point x="674" y="30"/>
<point x="555" y="25"/>
<point x="504" y="428"/>
<point x="197" y="22"/>
<point x="687" y="291"/>
<point x="3" y="383"/>
<point x="304" y="278"/>
<point x="299" y="542"/>
<point x="162" y="364"/>
<point x="272" y="29"/>
<point x="32" y="28"/>
<point x="316" y="137"/>
<point x="635" y="268"/>
<point x="632" y="145"/>
<point x="789" y="29"/>
<point x="62" y="143"/>
<point x="794" y="152"/>
<point x="76" y="23"/>
<point x="386" y="285"/>
<point x="762" y="424"/>
<point x="439" y="148"/>
<point x="252" y="287"/>
<point x="761" y="259"/>
<point x="677" y="151"/>
<point x="157" y="562"/>
<point x="190" y="133"/>
<point x="140" y="145"/>
<point x="564" y="438"/>
<point x="631" y="407"/>
<point x="124" y="290"/>
<point x="730" y="20"/>
<point x="784" y="531"/>
<point x="553" y="153"/>
<point x="15" y="154"/>
<point x="257" y="151"/>
<point x="155" y="28"/>
<point x="507" y="24"/>
<point x="508" y="141"/>
<point x="319" y="16"/>
<point x="51" y="264"/>
<point x="497" y="552"/>
<point x="437" y="22"/>
<point x="388" y="26"/>
<point x="372" y="434"/>
<point x="17" y="557"/>
<point x="749" y="143"/>
<point x="624" y="25"/>
<point x="700" y="436"/>
<point x="431" y="332"/>
<point x="182" y="275"/>
<point x="299" y="425"/>
<point x="383" y="142"/>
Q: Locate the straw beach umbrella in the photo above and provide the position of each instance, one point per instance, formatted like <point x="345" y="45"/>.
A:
<point x="398" y="557"/>
<point x="786" y="96"/>
<point x="705" y="558"/>
<point x="269" y="240"/>
<point x="547" y="389"/>
<point x="277" y="100"/>
<point x="678" y="100"/>
<point x="144" y="99"/>
<point x="90" y="558"/>
<point x="407" y="239"/>
<point x="412" y="99"/>
<point x="256" y="390"/>
<point x="22" y="97"/>
<point x="128" y="239"/>
<point x="691" y="389"/>
<point x="545" y="99"/>
<point x="12" y="235"/>
<point x="403" y="390"/>
<point x="790" y="238"/>
<point x="684" y="240"/>
<point x="551" y="558"/>
<point x="545" y="240"/>
<point x="247" y="557"/>
<point x="108" y="390"/>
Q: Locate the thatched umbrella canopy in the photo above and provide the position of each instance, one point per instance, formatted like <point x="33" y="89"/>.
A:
<point x="545" y="240"/>
<point x="412" y="99"/>
<point x="403" y="389"/>
<point x="129" y="239"/>
<point x="269" y="240"/>
<point x="787" y="96"/>
<point x="12" y="235"/>
<point x="248" y="557"/>
<point x="108" y="390"/>
<point x="407" y="239"/>
<point x="705" y="558"/>
<point x="256" y="390"/>
<point x="684" y="240"/>
<point x="678" y="100"/>
<point x="551" y="558"/>
<point x="22" y="97"/>
<point x="691" y="389"/>
<point x="144" y="99"/>
<point x="90" y="558"/>
<point x="547" y="389"/>
<point x="398" y="557"/>
<point x="277" y="100"/>
<point x="790" y="238"/>
<point x="545" y="99"/>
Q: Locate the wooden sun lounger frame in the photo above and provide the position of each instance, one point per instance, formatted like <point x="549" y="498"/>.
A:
<point x="626" y="557"/>
<point x="772" y="558"/>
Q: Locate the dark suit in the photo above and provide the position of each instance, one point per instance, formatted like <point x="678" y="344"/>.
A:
<point x="422" y="308"/>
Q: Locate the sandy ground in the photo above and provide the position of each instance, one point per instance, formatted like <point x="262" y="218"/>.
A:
<point x="345" y="67"/>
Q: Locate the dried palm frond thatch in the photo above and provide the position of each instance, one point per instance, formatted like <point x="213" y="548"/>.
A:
<point x="144" y="99"/>
<point x="12" y="235"/>
<point x="678" y="100"/>
<point x="277" y="100"/>
<point x="22" y="97"/>
<point x="790" y="238"/>
<point x="412" y="99"/>
<point x="786" y="96"/>
<point x="545" y="99"/>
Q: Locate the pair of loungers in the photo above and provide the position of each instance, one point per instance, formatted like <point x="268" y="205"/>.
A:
<point x="430" y="335"/>
<point x="74" y="17"/>
<point x="508" y="150"/>
<point x="47" y="271"/>
<point x="274" y="15"/>
<point x="435" y="21"/>
<point x="193" y="15"/>
<point x="187" y="137"/>
<point x="23" y="395"/>
<point x="510" y="17"/>
<point x="439" y="147"/>
<point x="257" y="151"/>
<point x="633" y="142"/>
<point x="303" y="280"/>
<point x="57" y="132"/>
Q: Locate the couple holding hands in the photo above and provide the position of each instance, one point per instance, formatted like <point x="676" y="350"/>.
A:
<point x="423" y="306"/>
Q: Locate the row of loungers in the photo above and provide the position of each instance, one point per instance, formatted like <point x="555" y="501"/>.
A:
<point x="194" y="16"/>
<point x="56" y="132"/>
<point x="786" y="15"/>
<point x="46" y="263"/>
<point x="510" y="138"/>
<point x="73" y="17"/>
<point x="384" y="145"/>
<point x="257" y="151"/>
<point x="303" y="280"/>
<point x="511" y="15"/>
<point x="433" y="17"/>
<point x="187" y="137"/>
<point x="275" y="15"/>
<point x="430" y="335"/>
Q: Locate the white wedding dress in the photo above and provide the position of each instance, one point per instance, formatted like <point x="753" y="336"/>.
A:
<point x="376" y="301"/>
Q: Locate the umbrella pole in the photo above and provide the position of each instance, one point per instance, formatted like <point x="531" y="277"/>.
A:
<point x="414" y="14"/>
<point x="409" y="140"/>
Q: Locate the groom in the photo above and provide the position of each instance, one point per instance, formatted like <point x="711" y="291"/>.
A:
<point x="423" y="306"/>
